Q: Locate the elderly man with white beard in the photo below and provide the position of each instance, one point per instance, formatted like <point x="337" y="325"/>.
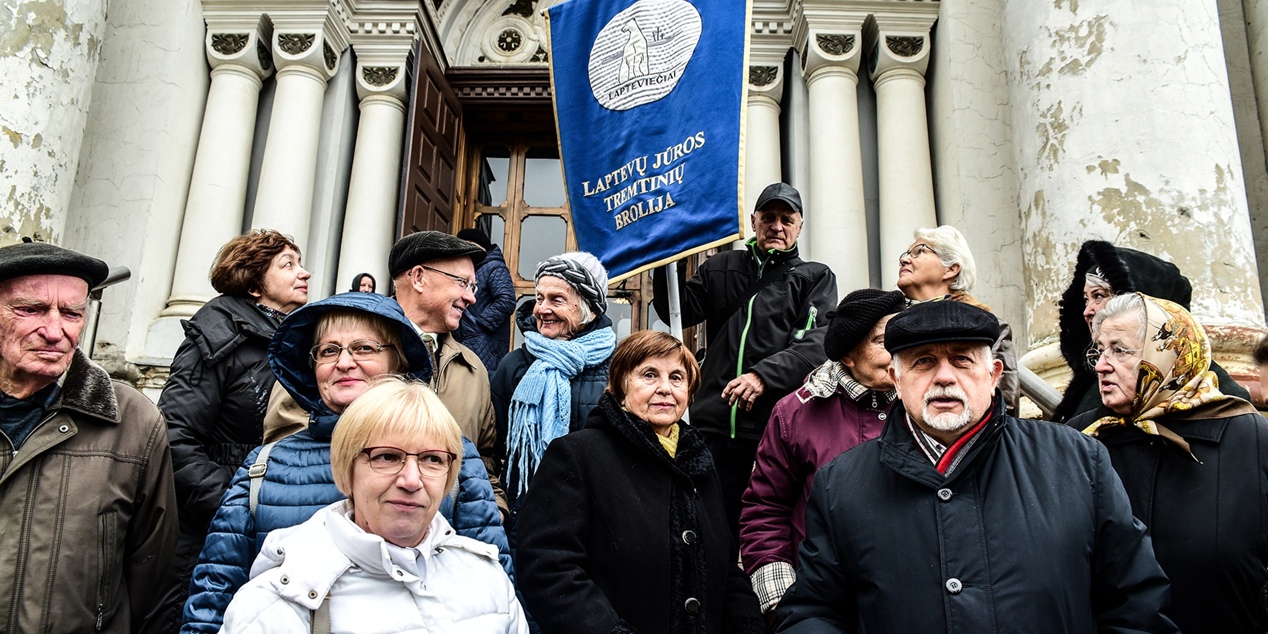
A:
<point x="960" y="518"/>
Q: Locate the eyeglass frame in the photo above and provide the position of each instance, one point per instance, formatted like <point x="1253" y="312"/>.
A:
<point x="1115" y="352"/>
<point x="378" y="348"/>
<point x="418" y="459"/>
<point x="458" y="279"/>
<point x="920" y="250"/>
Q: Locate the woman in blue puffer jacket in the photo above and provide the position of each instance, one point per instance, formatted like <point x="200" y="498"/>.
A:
<point x="324" y="355"/>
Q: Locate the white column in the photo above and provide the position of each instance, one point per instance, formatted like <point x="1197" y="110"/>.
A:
<point x="305" y="61"/>
<point x="762" y="160"/>
<point x="218" y="186"/>
<point x="836" y="221"/>
<point x="904" y="166"/>
<point x="369" y="224"/>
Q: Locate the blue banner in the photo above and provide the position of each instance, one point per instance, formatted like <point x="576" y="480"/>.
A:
<point x="649" y="101"/>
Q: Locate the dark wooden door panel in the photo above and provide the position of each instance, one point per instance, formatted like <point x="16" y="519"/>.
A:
<point x="435" y="135"/>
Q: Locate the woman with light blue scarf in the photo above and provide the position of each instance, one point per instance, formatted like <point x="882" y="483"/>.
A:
<point x="548" y="386"/>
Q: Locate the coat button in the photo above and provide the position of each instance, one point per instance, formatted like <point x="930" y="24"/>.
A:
<point x="954" y="586"/>
<point x="882" y="416"/>
<point x="944" y="494"/>
<point x="399" y="573"/>
<point x="688" y="537"/>
<point x="285" y="580"/>
<point x="312" y="594"/>
<point x="691" y="605"/>
<point x="64" y="428"/>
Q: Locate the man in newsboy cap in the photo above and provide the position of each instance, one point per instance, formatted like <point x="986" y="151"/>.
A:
<point x="87" y="504"/>
<point x="962" y="518"/>
<point x="434" y="275"/>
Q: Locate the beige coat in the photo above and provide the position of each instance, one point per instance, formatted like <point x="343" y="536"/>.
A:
<point x="87" y="511"/>
<point x="461" y="382"/>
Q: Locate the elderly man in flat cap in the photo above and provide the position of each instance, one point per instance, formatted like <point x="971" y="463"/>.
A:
<point x="760" y="307"/>
<point x="434" y="274"/>
<point x="87" y="503"/>
<point x="960" y="518"/>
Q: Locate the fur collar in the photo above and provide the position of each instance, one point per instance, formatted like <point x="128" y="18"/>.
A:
<point x="692" y="461"/>
<point x="88" y="389"/>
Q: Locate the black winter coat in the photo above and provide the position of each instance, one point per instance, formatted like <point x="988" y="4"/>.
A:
<point x="486" y="324"/>
<point x="587" y="387"/>
<point x="1126" y="270"/>
<point x="616" y="536"/>
<point x="773" y="335"/>
<point x="215" y="401"/>
<point x="1208" y="521"/>
<point x="1032" y="532"/>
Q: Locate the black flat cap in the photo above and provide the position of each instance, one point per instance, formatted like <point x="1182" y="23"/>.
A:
<point x="424" y="246"/>
<point x="942" y="321"/>
<point x="779" y="191"/>
<point x="855" y="316"/>
<point x="38" y="258"/>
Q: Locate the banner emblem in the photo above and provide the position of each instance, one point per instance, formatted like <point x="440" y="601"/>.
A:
<point x="641" y="53"/>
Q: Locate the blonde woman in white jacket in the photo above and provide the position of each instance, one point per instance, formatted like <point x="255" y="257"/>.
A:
<point x="384" y="560"/>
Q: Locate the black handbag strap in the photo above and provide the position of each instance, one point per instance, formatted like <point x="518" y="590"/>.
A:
<point x="753" y="289"/>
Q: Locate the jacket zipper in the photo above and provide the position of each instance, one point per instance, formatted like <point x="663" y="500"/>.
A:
<point x="739" y="360"/>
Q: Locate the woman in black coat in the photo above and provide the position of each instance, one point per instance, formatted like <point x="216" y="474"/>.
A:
<point x="1193" y="460"/>
<point x="623" y="530"/>
<point x="219" y="387"/>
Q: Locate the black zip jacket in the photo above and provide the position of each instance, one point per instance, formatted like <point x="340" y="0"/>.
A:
<point x="772" y="334"/>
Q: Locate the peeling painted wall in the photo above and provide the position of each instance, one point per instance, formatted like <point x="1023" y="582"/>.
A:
<point x="49" y="51"/>
<point x="970" y="133"/>
<point x="1123" y="130"/>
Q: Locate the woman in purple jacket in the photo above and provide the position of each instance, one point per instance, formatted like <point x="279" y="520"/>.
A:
<point x="842" y="404"/>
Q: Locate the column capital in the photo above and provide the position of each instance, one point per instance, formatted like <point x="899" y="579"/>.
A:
<point x="898" y="37"/>
<point x="310" y="33"/>
<point x="383" y="36"/>
<point x="828" y="35"/>
<point x="387" y="80"/>
<point x="239" y="37"/>
<point x="768" y="46"/>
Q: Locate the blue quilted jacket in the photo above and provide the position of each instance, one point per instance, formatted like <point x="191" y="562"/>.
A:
<point x="299" y="482"/>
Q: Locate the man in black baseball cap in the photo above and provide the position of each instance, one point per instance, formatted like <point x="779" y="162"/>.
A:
<point x="87" y="490"/>
<point x="961" y="517"/>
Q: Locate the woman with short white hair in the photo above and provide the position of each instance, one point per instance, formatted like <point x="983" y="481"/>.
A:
<point x="939" y="265"/>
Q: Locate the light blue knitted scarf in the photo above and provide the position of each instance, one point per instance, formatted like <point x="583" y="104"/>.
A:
<point x="542" y="402"/>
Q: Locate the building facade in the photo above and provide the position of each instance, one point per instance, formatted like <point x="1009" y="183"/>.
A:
<point x="150" y="133"/>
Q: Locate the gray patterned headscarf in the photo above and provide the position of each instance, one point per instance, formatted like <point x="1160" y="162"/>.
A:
<point x="583" y="272"/>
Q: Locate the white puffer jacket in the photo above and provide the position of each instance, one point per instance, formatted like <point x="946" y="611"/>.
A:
<point x="449" y="583"/>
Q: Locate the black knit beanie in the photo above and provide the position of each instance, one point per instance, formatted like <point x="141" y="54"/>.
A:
<point x="854" y="318"/>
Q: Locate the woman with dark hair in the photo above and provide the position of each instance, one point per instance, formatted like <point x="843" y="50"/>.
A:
<point x="623" y="529"/>
<point x="1102" y="271"/>
<point x="215" y="399"/>
<point x="363" y="282"/>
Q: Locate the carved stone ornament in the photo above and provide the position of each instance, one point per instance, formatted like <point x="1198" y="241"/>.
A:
<point x="540" y="56"/>
<point x="835" y="43"/>
<point x="904" y="45"/>
<point x="762" y="75"/>
<point x="379" y="75"/>
<point x="266" y="57"/>
<point x="522" y="8"/>
<point x="229" y="43"/>
<point x="295" y="43"/>
<point x="510" y="40"/>
<point x="329" y="54"/>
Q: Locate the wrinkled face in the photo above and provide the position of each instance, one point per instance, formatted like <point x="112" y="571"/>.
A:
<point x="869" y="361"/>
<point x="558" y="308"/>
<point x="1119" y="340"/>
<point x="946" y="387"/>
<point x="921" y="274"/>
<point x="656" y="391"/>
<point x="776" y="225"/>
<point x="366" y="285"/>
<point x="285" y="283"/>
<point x="1094" y="299"/>
<point x="41" y="318"/>
<point x="442" y="299"/>
<point x="340" y="382"/>
<point x="400" y="507"/>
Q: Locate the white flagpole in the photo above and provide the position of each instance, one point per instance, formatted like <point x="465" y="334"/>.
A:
<point x="675" y="313"/>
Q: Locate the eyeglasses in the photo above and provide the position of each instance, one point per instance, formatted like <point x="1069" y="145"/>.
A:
<point x="458" y="279"/>
<point x="915" y="252"/>
<point x="1118" y="354"/>
<point x="361" y="350"/>
<point x="433" y="463"/>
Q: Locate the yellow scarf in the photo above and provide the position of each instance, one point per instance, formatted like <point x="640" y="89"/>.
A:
<point x="670" y="442"/>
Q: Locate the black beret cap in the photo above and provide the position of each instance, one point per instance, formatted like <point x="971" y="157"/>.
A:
<point x="855" y="316"/>
<point x="423" y="246"/>
<point x="38" y="258"/>
<point x="779" y="191"/>
<point x="941" y="321"/>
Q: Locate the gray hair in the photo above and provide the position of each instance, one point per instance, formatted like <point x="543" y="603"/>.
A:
<point x="1128" y="305"/>
<point x="949" y="244"/>
<point x="1094" y="279"/>
<point x="984" y="352"/>
<point x="587" y="314"/>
